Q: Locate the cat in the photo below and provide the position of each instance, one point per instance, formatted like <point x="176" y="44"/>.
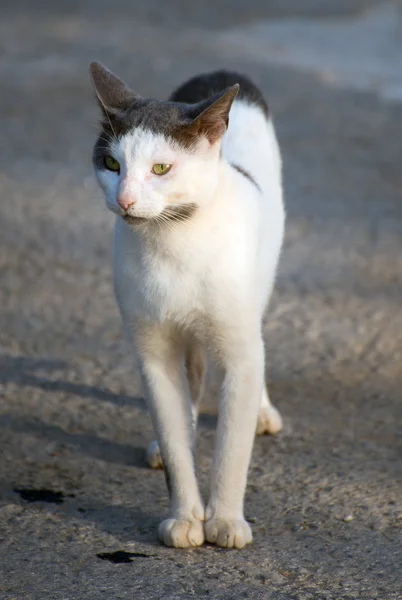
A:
<point x="196" y="185"/>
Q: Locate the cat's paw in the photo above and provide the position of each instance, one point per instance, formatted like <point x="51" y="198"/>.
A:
<point x="269" y="420"/>
<point x="181" y="534"/>
<point x="153" y="456"/>
<point x="228" y="533"/>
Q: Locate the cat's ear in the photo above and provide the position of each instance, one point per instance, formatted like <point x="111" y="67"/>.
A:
<point x="112" y="93"/>
<point x="211" y="116"/>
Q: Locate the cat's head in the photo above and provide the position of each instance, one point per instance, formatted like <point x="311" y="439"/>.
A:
<point x="156" y="160"/>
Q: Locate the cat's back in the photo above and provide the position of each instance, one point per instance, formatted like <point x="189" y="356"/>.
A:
<point x="250" y="142"/>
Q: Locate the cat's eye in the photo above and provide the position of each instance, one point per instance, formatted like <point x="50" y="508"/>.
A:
<point x="112" y="164"/>
<point x="161" y="169"/>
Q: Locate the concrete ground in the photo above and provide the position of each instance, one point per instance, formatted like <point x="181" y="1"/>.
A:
<point x="325" y="497"/>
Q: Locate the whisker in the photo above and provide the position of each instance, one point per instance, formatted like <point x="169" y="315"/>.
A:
<point x="109" y="136"/>
<point x="111" y="126"/>
<point x="97" y="127"/>
<point x="106" y="136"/>
<point x="107" y="115"/>
<point x="163" y="221"/>
<point x="179" y="213"/>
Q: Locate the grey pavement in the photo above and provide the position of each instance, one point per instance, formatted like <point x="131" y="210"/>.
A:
<point x="325" y="497"/>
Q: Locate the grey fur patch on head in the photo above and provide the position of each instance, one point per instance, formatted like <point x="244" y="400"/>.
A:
<point x="123" y="111"/>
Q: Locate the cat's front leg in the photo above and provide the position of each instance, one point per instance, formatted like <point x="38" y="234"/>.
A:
<point x="238" y="409"/>
<point x="161" y="361"/>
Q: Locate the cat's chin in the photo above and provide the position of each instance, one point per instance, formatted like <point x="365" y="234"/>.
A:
<point x="130" y="220"/>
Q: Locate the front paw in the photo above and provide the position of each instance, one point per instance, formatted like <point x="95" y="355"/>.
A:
<point x="228" y="533"/>
<point x="180" y="533"/>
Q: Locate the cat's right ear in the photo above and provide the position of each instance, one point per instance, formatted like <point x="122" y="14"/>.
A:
<point x="112" y="93"/>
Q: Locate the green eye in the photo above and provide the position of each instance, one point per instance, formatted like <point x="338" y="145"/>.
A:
<point x="112" y="164"/>
<point x="161" y="169"/>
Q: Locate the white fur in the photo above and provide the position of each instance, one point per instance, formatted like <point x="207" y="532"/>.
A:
<point x="197" y="285"/>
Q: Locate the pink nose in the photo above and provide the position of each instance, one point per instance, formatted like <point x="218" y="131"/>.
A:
<point x="125" y="200"/>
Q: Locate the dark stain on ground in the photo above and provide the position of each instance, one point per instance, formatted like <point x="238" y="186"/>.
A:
<point x="120" y="556"/>
<point x="42" y="495"/>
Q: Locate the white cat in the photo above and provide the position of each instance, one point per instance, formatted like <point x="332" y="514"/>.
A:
<point x="196" y="184"/>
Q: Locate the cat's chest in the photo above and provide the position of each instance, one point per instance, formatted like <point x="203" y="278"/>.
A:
<point x="162" y="286"/>
<point x="172" y="288"/>
<point x="197" y="281"/>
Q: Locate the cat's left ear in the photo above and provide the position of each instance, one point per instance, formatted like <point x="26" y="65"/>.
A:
<point x="211" y="116"/>
<point x="112" y="93"/>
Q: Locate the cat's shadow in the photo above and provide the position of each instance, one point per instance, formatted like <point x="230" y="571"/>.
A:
<point x="125" y="523"/>
<point x="22" y="371"/>
<point x="87" y="443"/>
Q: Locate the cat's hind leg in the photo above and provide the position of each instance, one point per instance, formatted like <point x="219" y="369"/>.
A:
<point x="269" y="418"/>
<point x="195" y="363"/>
<point x="195" y="369"/>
